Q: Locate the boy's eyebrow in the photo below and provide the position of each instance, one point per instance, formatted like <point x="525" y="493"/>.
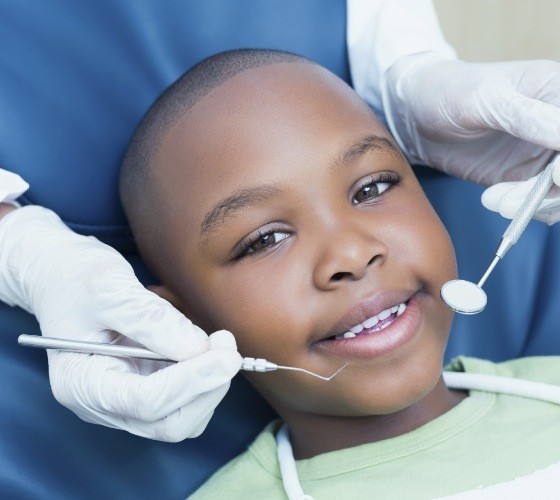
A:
<point x="234" y="202"/>
<point x="255" y="195"/>
<point x="365" y="145"/>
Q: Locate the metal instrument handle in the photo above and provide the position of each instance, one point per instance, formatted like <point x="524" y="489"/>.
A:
<point x="531" y="204"/>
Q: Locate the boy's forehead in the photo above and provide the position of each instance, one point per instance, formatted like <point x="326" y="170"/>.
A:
<point x="257" y="122"/>
<point x="268" y="104"/>
<point x="269" y="98"/>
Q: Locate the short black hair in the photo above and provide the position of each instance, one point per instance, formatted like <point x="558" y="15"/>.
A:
<point x="140" y="196"/>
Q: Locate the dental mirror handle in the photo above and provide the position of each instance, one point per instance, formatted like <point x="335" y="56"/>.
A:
<point x="527" y="209"/>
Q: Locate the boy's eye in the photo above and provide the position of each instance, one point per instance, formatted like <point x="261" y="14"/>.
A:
<point x="369" y="189"/>
<point x="261" y="241"/>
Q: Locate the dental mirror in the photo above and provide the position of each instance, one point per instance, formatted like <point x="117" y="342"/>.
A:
<point x="464" y="297"/>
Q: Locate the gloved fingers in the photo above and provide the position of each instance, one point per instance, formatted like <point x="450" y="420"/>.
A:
<point x="153" y="322"/>
<point x="186" y="422"/>
<point x="506" y="198"/>
<point x="529" y="119"/>
<point x="123" y="393"/>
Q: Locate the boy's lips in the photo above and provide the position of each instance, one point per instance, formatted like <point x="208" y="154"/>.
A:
<point x="368" y="309"/>
<point x="365" y="333"/>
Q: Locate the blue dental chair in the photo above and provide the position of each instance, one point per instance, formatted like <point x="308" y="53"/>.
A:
<point x="75" y="79"/>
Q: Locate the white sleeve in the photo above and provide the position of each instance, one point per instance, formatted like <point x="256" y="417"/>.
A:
<point x="379" y="32"/>
<point x="12" y="186"/>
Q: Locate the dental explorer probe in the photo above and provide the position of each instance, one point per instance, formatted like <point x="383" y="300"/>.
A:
<point x="466" y="297"/>
<point x="122" y="351"/>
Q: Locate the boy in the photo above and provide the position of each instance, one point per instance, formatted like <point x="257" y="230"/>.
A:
<point x="271" y="202"/>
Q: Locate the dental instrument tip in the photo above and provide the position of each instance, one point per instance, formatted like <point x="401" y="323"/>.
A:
<point x="322" y="377"/>
<point x="262" y="365"/>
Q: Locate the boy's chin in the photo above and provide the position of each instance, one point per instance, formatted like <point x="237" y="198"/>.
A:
<point x="362" y="402"/>
<point x="371" y="407"/>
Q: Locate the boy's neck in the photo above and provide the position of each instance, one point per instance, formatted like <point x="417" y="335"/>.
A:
<point x="312" y="435"/>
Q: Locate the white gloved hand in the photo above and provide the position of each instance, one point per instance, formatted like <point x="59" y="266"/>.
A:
<point x="82" y="289"/>
<point x="484" y="122"/>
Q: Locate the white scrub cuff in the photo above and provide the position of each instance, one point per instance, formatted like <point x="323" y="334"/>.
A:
<point x="380" y="32"/>
<point x="12" y="186"/>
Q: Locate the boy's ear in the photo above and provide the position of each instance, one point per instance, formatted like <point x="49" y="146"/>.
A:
<point x="166" y="294"/>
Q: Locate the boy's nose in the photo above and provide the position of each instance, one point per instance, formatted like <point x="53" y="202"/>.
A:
<point x="346" y="255"/>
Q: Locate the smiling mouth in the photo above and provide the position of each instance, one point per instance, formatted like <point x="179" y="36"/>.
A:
<point x="373" y="324"/>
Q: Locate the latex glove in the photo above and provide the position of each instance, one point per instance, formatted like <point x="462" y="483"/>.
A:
<point x="484" y="122"/>
<point x="82" y="289"/>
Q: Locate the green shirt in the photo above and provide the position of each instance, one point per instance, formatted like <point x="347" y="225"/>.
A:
<point x="486" y="439"/>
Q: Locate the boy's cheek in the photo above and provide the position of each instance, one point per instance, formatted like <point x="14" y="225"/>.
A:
<point x="268" y="337"/>
<point x="429" y="247"/>
<point x="259" y="329"/>
<point x="262" y="311"/>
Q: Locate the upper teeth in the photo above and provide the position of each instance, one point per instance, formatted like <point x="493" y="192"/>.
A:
<point x="371" y="322"/>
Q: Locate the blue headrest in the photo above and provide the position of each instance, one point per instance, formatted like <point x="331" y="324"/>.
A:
<point x="77" y="78"/>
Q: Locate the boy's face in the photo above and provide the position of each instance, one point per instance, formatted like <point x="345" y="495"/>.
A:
<point x="292" y="219"/>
